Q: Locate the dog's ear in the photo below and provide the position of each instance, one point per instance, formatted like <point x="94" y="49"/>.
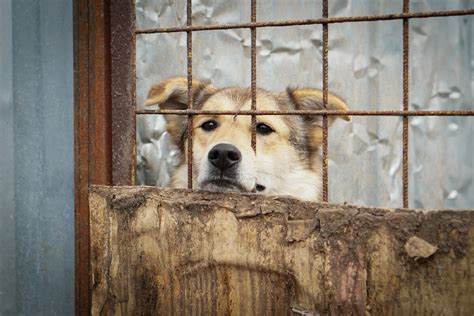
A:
<point x="172" y="94"/>
<point x="312" y="99"/>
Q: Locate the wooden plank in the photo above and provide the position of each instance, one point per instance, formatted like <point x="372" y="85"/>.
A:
<point x="177" y="252"/>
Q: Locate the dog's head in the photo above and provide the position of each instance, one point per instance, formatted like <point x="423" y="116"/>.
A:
<point x="287" y="161"/>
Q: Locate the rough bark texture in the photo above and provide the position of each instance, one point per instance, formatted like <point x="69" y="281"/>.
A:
<point x="161" y="251"/>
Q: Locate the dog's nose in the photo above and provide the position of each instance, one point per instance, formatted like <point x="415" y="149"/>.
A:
<point x="224" y="156"/>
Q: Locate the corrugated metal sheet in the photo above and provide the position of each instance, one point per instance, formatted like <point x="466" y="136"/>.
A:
<point x="37" y="152"/>
<point x="365" y="68"/>
<point x="7" y="170"/>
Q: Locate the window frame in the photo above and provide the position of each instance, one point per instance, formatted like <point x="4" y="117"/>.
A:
<point x="104" y="120"/>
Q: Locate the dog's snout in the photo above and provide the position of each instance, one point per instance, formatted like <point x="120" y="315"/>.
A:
<point x="224" y="156"/>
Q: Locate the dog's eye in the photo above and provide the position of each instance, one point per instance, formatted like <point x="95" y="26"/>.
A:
<point x="209" y="125"/>
<point x="264" y="129"/>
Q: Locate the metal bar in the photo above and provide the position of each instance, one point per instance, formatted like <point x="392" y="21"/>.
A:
<point x="189" y="48"/>
<point x="253" y="62"/>
<point x="92" y="128"/>
<point x="325" y="102"/>
<point x="100" y="102"/>
<point x="406" y="78"/>
<point x="310" y="112"/>
<point x="331" y="20"/>
<point x="122" y="15"/>
<point x="81" y="159"/>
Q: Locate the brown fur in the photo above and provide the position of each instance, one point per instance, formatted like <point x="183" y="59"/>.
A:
<point x="296" y="137"/>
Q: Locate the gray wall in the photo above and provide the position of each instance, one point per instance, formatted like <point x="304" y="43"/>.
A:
<point x="37" y="145"/>
<point x="7" y="171"/>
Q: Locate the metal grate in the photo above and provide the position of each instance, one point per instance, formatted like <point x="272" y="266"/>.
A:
<point x="253" y="25"/>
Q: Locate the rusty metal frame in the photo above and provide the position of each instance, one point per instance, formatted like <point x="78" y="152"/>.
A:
<point x="253" y="25"/>
<point x="92" y="128"/>
<point x="122" y="19"/>
<point x="104" y="121"/>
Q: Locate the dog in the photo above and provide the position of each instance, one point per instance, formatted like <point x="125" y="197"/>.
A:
<point x="288" y="156"/>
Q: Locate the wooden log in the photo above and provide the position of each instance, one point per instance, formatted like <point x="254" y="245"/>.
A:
<point x="159" y="251"/>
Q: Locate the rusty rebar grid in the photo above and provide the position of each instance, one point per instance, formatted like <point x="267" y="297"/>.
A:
<point x="324" y="21"/>
<point x="189" y="48"/>
<point x="331" y="20"/>
<point x="406" y="91"/>
<point x="325" y="192"/>
<point x="253" y="73"/>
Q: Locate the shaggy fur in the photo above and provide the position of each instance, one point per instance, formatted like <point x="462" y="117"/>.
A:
<point x="288" y="160"/>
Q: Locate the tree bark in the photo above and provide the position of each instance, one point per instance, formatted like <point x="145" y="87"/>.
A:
<point x="176" y="252"/>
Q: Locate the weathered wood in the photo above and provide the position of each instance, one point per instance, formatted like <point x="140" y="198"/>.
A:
<point x="161" y="251"/>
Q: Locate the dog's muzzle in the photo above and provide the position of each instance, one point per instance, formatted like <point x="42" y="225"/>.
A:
<point x="223" y="175"/>
<point x="224" y="156"/>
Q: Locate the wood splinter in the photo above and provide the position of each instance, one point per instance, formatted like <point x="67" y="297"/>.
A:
<point x="418" y="248"/>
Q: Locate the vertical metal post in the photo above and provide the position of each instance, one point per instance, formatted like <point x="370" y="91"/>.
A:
<point x="189" y="47"/>
<point x="406" y="78"/>
<point x="92" y="127"/>
<point x="122" y="17"/>
<point x="253" y="62"/>
<point x="325" y="192"/>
